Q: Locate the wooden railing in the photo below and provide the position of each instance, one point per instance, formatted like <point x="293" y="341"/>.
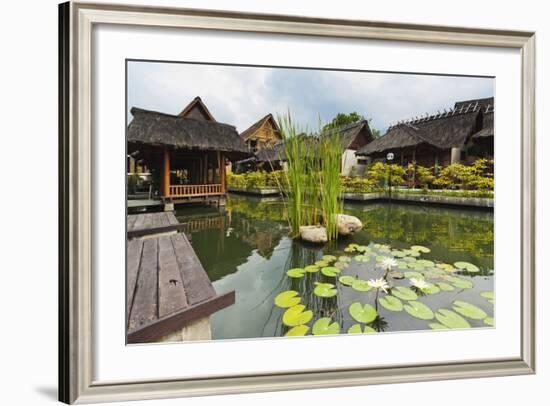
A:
<point x="195" y="190"/>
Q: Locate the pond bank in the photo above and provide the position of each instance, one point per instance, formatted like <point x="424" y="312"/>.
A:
<point x="461" y="201"/>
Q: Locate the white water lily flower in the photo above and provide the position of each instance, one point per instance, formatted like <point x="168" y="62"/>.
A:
<point x="379" y="283"/>
<point x="387" y="263"/>
<point x="419" y="283"/>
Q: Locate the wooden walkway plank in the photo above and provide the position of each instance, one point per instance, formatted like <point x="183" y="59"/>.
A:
<point x="145" y="307"/>
<point x="195" y="280"/>
<point x="131" y="221"/>
<point x="138" y="224"/>
<point x="172" y="220"/>
<point x="135" y="248"/>
<point x="171" y="291"/>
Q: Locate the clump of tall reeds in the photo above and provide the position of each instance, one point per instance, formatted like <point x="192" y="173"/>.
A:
<point x="312" y="185"/>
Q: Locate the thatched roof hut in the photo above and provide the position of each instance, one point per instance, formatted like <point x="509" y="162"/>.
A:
<point x="442" y="131"/>
<point x="268" y="123"/>
<point x="354" y="135"/>
<point x="154" y="128"/>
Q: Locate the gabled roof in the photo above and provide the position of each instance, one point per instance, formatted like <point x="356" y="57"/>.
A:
<point x="197" y="105"/>
<point x="250" y="131"/>
<point x="355" y="135"/>
<point x="487" y="127"/>
<point x="482" y="103"/>
<point x="154" y="128"/>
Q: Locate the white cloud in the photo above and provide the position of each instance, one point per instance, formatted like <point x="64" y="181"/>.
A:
<point x="242" y="95"/>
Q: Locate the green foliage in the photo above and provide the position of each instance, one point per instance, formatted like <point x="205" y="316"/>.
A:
<point x="255" y="180"/>
<point x="342" y="119"/>
<point x="477" y="176"/>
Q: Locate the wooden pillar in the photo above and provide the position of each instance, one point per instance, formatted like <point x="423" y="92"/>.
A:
<point x="222" y="171"/>
<point x="166" y="173"/>
<point x="455" y="155"/>
<point x="205" y="174"/>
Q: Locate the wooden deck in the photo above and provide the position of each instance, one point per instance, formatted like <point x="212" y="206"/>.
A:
<point x="167" y="287"/>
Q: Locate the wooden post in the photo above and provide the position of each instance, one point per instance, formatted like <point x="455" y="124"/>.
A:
<point x="205" y="175"/>
<point x="222" y="171"/>
<point x="166" y="173"/>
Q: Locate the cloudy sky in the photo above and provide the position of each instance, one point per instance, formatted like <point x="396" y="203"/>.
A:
<point x="242" y="95"/>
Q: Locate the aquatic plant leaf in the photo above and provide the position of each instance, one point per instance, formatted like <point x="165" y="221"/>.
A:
<point x="362" y="313"/>
<point x="420" y="248"/>
<point x="466" y="266"/>
<point x="295" y="315"/>
<point x="438" y="326"/>
<point x="341" y="265"/>
<point x="404" y="293"/>
<point x="330" y="271"/>
<point x="346" y="280"/>
<point x="297" y="331"/>
<point x="362" y="258"/>
<point x="445" y="286"/>
<point x="487" y="294"/>
<point x="445" y="267"/>
<point x="311" y="268"/>
<point x="412" y="274"/>
<point x="425" y="262"/>
<point x="489" y="321"/>
<point x="321" y="263"/>
<point x="469" y="310"/>
<point x="296" y="272"/>
<point x="323" y="326"/>
<point x="409" y="259"/>
<point x="329" y="258"/>
<point x="419" y="310"/>
<point x="360" y="285"/>
<point x="431" y="289"/>
<point x="491" y="301"/>
<point x="287" y="299"/>
<point x="402" y="264"/>
<point x="460" y="283"/>
<point x="412" y="253"/>
<point x="344" y="258"/>
<point x="451" y="319"/>
<point x="396" y="275"/>
<point x="325" y="290"/>
<point x="362" y="248"/>
<point x="416" y="266"/>
<point x="391" y="303"/>
<point x="356" y="329"/>
<point x="349" y="250"/>
<point x="398" y="254"/>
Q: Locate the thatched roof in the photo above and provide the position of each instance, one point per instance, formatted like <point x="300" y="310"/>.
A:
<point x="250" y="131"/>
<point x="443" y="130"/>
<point x="276" y="152"/>
<point x="487" y="126"/>
<point x="354" y="135"/>
<point x="154" y="128"/>
<point x="197" y="109"/>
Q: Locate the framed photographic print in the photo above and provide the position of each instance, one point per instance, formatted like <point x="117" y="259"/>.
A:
<point x="263" y="202"/>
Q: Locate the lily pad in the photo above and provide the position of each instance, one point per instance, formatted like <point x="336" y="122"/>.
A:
<point x="451" y="319"/>
<point x="489" y="321"/>
<point x="356" y="329"/>
<point x="295" y="315"/>
<point x="460" y="283"/>
<point x="425" y="262"/>
<point x="416" y="266"/>
<point x="404" y="293"/>
<point x="420" y="248"/>
<point x="341" y="265"/>
<point x="344" y="258"/>
<point x="362" y="313"/>
<point x="311" y="268"/>
<point x="362" y="258"/>
<point x="445" y="286"/>
<point x="330" y="271"/>
<point x="431" y="289"/>
<point x="488" y="294"/>
<point x="445" y="267"/>
<point x="287" y="299"/>
<point x="325" y="290"/>
<point x="297" y="331"/>
<point x="321" y="263"/>
<point x="412" y="274"/>
<point x="360" y="285"/>
<point x="296" y="272"/>
<point x="398" y="254"/>
<point x="412" y="253"/>
<point x="409" y="259"/>
<point x="362" y="248"/>
<point x="466" y="266"/>
<point x="438" y="326"/>
<point x="391" y="303"/>
<point x="328" y="258"/>
<point x="469" y="310"/>
<point x="349" y="250"/>
<point x="323" y="326"/>
<point x="346" y="280"/>
<point x="396" y="275"/>
<point x="419" y="310"/>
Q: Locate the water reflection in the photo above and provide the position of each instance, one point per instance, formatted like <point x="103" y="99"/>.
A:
<point x="246" y="247"/>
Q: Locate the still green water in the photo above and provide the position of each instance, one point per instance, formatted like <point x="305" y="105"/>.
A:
<point x="246" y="248"/>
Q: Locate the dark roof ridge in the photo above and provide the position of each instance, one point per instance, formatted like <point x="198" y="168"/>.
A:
<point x="140" y="110"/>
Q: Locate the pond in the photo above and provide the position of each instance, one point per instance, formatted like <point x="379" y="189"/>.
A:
<point x="246" y="247"/>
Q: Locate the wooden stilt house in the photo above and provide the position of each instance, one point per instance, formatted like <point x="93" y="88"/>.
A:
<point x="461" y="134"/>
<point x="187" y="153"/>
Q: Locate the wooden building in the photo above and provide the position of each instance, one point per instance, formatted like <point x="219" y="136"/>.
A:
<point x="354" y="136"/>
<point x="187" y="153"/>
<point x="461" y="134"/>
<point x="264" y="133"/>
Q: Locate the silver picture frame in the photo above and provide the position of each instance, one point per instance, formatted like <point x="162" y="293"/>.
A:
<point x="76" y="22"/>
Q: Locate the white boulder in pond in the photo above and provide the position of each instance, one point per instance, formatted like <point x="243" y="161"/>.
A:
<point x="315" y="234"/>
<point x="348" y="225"/>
